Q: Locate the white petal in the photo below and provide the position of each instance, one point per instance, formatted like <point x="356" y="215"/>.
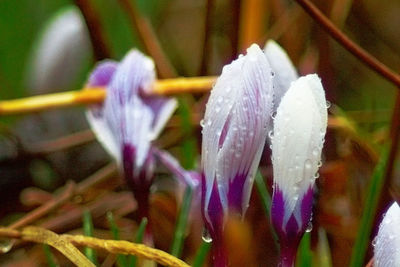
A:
<point x="104" y="135"/>
<point x="299" y="130"/>
<point x="285" y="72"/>
<point x="60" y="52"/>
<point x="235" y="123"/>
<point x="387" y="242"/>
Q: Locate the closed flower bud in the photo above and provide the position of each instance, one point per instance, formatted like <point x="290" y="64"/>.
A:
<point x="283" y="68"/>
<point x="298" y="136"/>
<point x="234" y="133"/>
<point x="60" y="53"/>
<point x="387" y="242"/>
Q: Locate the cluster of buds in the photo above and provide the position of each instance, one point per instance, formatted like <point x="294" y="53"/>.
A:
<point x="238" y="118"/>
<point x="236" y="124"/>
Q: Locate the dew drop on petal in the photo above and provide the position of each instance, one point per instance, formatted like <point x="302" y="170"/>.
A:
<point x="307" y="164"/>
<point x="206" y="236"/>
<point x="5" y="245"/>
<point x="309" y="227"/>
<point x="328" y="104"/>
<point x="202" y="123"/>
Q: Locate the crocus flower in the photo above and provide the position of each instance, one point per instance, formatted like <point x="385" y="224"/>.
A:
<point x="298" y="136"/>
<point x="128" y="120"/>
<point x="387" y="242"/>
<point x="282" y="66"/>
<point x="60" y="53"/>
<point x="234" y="132"/>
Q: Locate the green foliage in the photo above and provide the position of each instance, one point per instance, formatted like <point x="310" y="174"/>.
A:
<point x="88" y="231"/>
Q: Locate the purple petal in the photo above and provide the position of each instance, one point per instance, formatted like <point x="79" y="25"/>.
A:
<point x="102" y="74"/>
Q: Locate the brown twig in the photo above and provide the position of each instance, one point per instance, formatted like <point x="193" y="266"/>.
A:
<point x="32" y="216"/>
<point x="207" y="37"/>
<point x="149" y="39"/>
<point x="345" y="41"/>
<point x="62" y="143"/>
<point x="100" y="48"/>
<point x="70" y="190"/>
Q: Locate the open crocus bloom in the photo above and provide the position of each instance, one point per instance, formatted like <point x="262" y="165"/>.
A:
<point x="234" y="132"/>
<point x="128" y="120"/>
<point x="387" y="242"/>
<point x="299" y="131"/>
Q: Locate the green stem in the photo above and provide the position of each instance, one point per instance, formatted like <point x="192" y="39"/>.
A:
<point x="177" y="243"/>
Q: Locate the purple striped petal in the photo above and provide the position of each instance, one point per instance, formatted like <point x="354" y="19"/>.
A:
<point x="234" y="131"/>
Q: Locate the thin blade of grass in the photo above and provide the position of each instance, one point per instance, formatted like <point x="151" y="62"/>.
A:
<point x="323" y="258"/>
<point x="88" y="231"/>
<point x="49" y="256"/>
<point x="121" y="259"/>
<point x="138" y="239"/>
<point x="304" y="254"/>
<point x="201" y="254"/>
<point x="179" y="236"/>
<point x="371" y="201"/>
<point x="266" y="201"/>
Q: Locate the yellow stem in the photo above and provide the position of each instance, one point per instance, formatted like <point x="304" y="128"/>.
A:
<point x="97" y="95"/>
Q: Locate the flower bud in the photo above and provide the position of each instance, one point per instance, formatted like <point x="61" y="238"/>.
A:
<point x="387" y="242"/>
<point x="298" y="136"/>
<point x="234" y="132"/>
<point x="283" y="68"/>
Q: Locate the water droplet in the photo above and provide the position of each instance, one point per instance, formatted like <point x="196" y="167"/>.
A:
<point x="202" y="123"/>
<point x="319" y="164"/>
<point x="209" y="122"/>
<point x="206" y="236"/>
<point x="307" y="164"/>
<point x="272" y="73"/>
<point x="316" y="175"/>
<point x="309" y="227"/>
<point x="273" y="115"/>
<point x="271" y="134"/>
<point x="374" y="242"/>
<point x="5" y="245"/>
<point x="328" y="104"/>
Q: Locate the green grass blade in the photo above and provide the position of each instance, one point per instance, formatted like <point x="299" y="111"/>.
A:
<point x="371" y="202"/>
<point x="138" y="239"/>
<point x="179" y="236"/>
<point x="121" y="259"/>
<point x="323" y="257"/>
<point x="304" y="254"/>
<point x="88" y="231"/>
<point x="263" y="192"/>
<point x="266" y="201"/>
<point x="201" y="254"/>
<point x="49" y="256"/>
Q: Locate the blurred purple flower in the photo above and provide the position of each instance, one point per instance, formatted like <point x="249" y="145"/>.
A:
<point x="234" y="132"/>
<point x="129" y="120"/>
<point x="298" y="137"/>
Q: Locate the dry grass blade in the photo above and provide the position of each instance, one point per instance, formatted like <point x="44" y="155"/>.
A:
<point x="63" y="243"/>
<point x="40" y="235"/>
